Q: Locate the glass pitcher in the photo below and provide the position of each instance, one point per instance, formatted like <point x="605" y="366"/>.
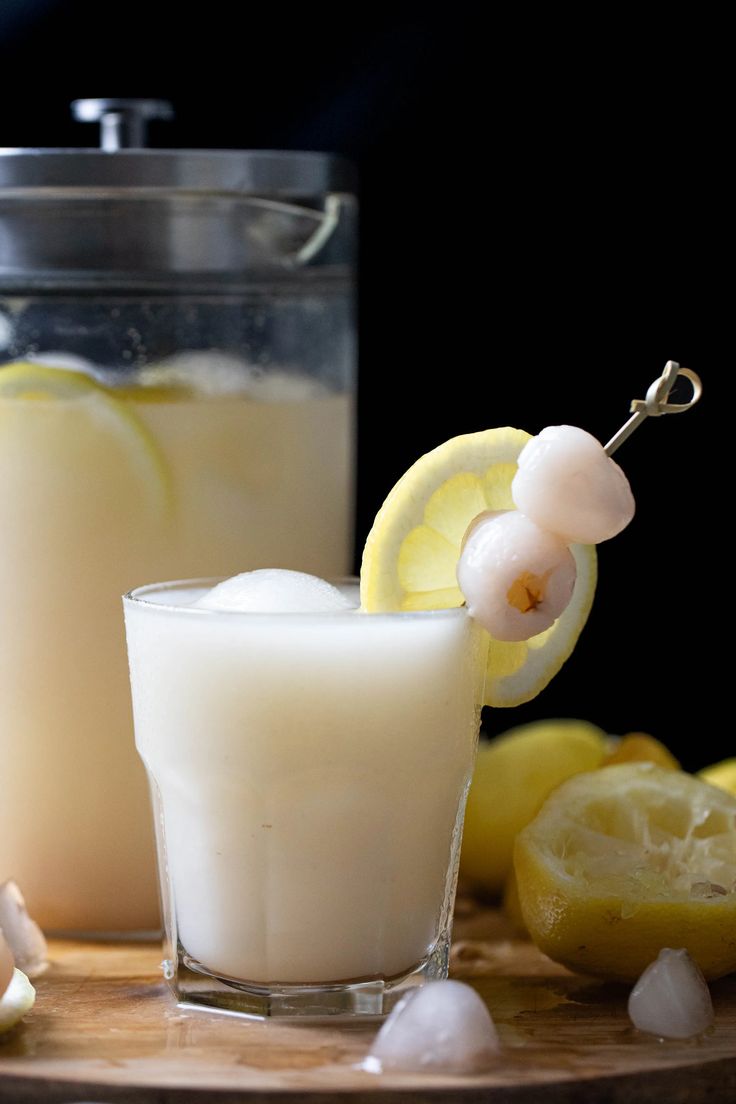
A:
<point x="177" y="381"/>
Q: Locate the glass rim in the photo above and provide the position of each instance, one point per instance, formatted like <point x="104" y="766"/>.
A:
<point x="136" y="597"/>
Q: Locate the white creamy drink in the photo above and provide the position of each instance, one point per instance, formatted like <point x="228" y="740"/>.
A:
<point x="100" y="491"/>
<point x="309" y="771"/>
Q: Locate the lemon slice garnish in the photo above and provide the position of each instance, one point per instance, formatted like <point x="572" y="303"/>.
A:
<point x="411" y="554"/>
<point x="100" y="434"/>
<point x="623" y="861"/>
<point x="17" y="999"/>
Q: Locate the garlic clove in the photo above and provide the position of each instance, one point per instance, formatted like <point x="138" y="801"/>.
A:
<point x="18" y="998"/>
<point x="7" y="965"/>
<point x="22" y="934"/>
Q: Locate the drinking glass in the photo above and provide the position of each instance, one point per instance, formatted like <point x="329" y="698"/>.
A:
<point x="308" y="773"/>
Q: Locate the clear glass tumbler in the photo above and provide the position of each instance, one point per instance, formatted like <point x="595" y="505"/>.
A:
<point x="308" y="774"/>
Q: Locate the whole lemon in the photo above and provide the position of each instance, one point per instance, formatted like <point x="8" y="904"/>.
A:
<point x="640" y="747"/>
<point x="721" y="774"/>
<point x="514" y="773"/>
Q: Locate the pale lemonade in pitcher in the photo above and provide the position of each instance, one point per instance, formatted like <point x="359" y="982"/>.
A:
<point x="100" y="491"/>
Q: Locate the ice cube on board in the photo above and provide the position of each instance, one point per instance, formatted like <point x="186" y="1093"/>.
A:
<point x="442" y="1027"/>
<point x="671" y="998"/>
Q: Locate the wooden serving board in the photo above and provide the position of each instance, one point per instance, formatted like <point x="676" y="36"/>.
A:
<point x="105" y="1029"/>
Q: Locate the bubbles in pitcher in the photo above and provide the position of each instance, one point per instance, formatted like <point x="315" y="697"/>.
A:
<point x="215" y="373"/>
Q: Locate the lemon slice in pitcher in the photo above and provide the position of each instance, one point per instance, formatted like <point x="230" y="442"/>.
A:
<point x="410" y="556"/>
<point x="99" y="442"/>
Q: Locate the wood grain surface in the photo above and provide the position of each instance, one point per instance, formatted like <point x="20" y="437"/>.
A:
<point x="104" y="1029"/>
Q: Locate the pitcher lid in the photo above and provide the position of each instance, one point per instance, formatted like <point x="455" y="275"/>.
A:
<point x="123" y="161"/>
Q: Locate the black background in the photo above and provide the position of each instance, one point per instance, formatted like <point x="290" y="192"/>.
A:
<point x="545" y="221"/>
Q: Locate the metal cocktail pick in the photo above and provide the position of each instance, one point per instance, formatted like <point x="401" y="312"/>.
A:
<point x="656" y="402"/>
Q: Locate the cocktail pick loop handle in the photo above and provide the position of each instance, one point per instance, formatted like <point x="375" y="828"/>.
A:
<point x="656" y="402"/>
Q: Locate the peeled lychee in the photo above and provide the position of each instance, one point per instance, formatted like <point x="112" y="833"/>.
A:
<point x="516" y="578"/>
<point x="568" y="485"/>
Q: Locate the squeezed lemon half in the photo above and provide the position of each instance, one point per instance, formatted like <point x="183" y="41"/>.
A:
<point x="411" y="553"/>
<point x="624" y="861"/>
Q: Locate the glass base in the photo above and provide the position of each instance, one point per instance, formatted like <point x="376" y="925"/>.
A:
<point x="195" y="987"/>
